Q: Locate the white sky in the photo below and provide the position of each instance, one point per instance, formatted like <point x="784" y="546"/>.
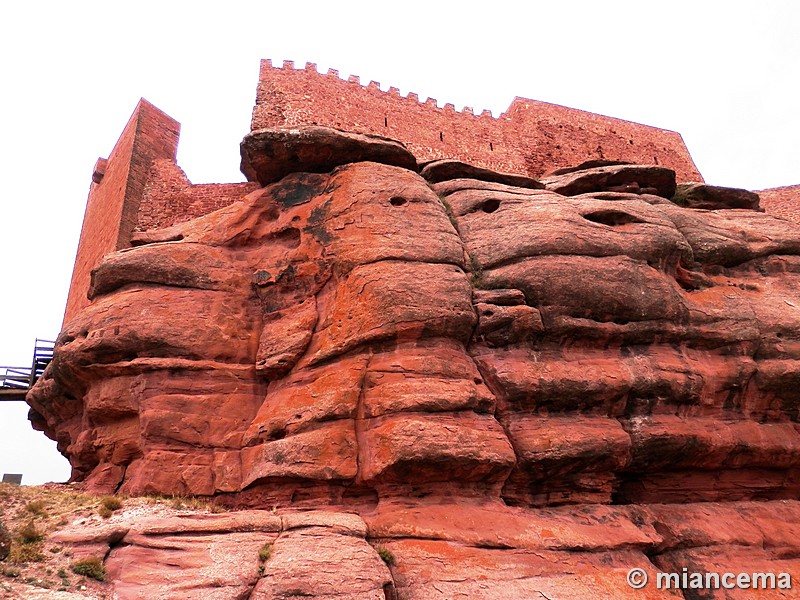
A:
<point x="724" y="74"/>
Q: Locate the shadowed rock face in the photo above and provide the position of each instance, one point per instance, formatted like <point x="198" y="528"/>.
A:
<point x="365" y="339"/>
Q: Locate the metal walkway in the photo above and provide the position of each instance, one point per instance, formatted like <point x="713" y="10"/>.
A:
<point x="16" y="381"/>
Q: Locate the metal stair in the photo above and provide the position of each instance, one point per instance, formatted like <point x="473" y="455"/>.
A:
<point x="16" y="381"/>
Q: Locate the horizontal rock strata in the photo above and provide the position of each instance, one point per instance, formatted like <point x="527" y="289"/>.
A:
<point x="518" y="389"/>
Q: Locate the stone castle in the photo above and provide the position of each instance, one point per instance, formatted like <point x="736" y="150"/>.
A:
<point x="145" y="189"/>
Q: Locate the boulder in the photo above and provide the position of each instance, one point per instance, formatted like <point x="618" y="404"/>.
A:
<point x="712" y="197"/>
<point x="268" y="155"/>
<point x="637" y="179"/>
<point x="442" y="170"/>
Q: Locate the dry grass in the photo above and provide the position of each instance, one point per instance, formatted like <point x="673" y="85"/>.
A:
<point x="90" y="567"/>
<point x="112" y="503"/>
<point x="108" y="504"/>
<point x="36" y="507"/>
<point x="33" y="513"/>
<point x="22" y="553"/>
<point x="29" y="533"/>
<point x="192" y="503"/>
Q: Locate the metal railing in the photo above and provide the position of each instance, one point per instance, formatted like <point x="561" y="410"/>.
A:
<point x="21" y="379"/>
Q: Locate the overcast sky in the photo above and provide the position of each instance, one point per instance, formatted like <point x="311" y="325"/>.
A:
<point x="724" y="74"/>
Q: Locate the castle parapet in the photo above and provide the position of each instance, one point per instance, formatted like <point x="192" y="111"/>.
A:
<point x="531" y="138"/>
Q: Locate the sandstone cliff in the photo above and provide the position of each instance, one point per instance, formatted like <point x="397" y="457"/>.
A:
<point x="516" y="389"/>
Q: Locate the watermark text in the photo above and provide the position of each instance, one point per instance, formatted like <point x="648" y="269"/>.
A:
<point x="697" y="580"/>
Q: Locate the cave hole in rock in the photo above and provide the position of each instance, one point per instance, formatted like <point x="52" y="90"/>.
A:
<point x="490" y="206"/>
<point x="612" y="218"/>
<point x="397" y="201"/>
<point x="289" y="237"/>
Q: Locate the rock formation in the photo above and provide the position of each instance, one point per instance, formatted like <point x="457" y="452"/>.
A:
<point x="515" y="388"/>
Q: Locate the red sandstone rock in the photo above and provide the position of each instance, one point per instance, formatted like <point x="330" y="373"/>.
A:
<point x="315" y="562"/>
<point x="429" y="569"/>
<point x="349" y="350"/>
<point x="701" y="195"/>
<point x="588" y="164"/>
<point x="442" y="170"/>
<point x="453" y="370"/>
<point x="614" y="178"/>
<point x="447" y="187"/>
<point x="270" y="154"/>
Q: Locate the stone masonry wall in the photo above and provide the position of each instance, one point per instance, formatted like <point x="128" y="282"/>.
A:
<point x="782" y="202"/>
<point x="170" y="198"/>
<point x="530" y="138"/>
<point x="116" y="190"/>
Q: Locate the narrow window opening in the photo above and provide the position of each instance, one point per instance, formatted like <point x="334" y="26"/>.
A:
<point x="441" y="137"/>
<point x="491" y="146"/>
<point x="385" y="122"/>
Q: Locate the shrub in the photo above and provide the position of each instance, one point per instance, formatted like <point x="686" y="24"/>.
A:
<point x="22" y="553"/>
<point x="477" y="273"/>
<point x="385" y="554"/>
<point x="265" y="552"/>
<point x="90" y="567"/>
<point x="35" y="507"/>
<point x="111" y="503"/>
<point x="28" y="534"/>
<point x="105" y="512"/>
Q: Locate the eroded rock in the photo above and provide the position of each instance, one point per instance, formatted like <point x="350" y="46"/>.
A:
<point x="443" y="365"/>
<point x="618" y="177"/>
<point x="712" y="197"/>
<point x="270" y="154"/>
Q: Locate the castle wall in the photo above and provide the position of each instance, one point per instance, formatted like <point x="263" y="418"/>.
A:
<point x="170" y="198"/>
<point x="140" y="186"/>
<point x="782" y="202"/>
<point x="112" y="209"/>
<point x="530" y="138"/>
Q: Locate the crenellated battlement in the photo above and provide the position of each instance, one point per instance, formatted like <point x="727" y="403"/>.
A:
<point x="530" y="138"/>
<point x="311" y="68"/>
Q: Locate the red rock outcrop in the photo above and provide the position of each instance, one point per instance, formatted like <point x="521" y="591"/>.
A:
<point x="518" y="390"/>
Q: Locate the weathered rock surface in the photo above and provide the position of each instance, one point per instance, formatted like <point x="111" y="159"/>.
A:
<point x="270" y="154"/>
<point x="507" y="384"/>
<point x="435" y="548"/>
<point x="614" y="177"/>
<point x="712" y="197"/>
<point x="442" y="170"/>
